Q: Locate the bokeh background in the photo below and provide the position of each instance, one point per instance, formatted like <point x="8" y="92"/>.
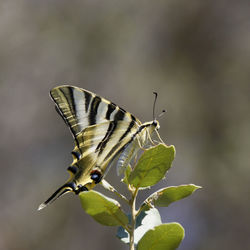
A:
<point x="194" y="53"/>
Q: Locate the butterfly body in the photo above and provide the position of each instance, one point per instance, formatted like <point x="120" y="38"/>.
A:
<point x="102" y="132"/>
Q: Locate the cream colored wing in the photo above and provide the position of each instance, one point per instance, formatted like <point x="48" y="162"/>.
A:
<point x="81" y="108"/>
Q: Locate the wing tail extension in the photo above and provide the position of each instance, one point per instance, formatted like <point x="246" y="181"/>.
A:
<point x="68" y="187"/>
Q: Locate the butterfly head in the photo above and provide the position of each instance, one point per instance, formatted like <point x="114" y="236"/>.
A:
<point x="155" y="125"/>
<point x="151" y="126"/>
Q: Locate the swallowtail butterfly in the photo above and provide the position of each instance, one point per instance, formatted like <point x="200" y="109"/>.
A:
<point x="102" y="131"/>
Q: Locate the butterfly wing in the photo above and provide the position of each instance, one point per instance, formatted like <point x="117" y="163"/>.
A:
<point x="97" y="146"/>
<point x="81" y="108"/>
<point x="101" y="129"/>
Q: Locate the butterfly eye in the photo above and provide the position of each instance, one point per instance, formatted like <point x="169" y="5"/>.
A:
<point x="154" y="123"/>
<point x="96" y="176"/>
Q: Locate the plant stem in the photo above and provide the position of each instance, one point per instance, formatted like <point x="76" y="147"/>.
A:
<point x="133" y="220"/>
<point x="110" y="188"/>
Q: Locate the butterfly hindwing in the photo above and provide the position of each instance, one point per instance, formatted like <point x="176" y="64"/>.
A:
<point x="97" y="147"/>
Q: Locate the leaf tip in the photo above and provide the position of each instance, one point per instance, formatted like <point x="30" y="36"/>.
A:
<point x="196" y="186"/>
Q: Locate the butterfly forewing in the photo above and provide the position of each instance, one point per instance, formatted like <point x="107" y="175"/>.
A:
<point x="81" y="108"/>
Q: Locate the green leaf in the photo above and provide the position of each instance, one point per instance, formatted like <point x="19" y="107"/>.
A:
<point x="163" y="237"/>
<point x="103" y="209"/>
<point x="164" y="197"/>
<point x="144" y="221"/>
<point x="152" y="166"/>
<point x="126" y="174"/>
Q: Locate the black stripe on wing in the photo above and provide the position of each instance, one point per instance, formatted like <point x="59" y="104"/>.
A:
<point x="111" y="108"/>
<point x="119" y="116"/>
<point x="131" y="125"/>
<point x="105" y="139"/>
<point x="93" y="112"/>
<point x="88" y="98"/>
<point x="127" y="133"/>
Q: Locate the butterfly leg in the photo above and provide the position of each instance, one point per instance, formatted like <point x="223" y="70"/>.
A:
<point x="139" y="144"/>
<point x="150" y="139"/>
<point x="159" y="137"/>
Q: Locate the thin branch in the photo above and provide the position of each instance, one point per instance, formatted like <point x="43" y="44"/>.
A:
<point x="133" y="219"/>
<point x="143" y="205"/>
<point x="110" y="188"/>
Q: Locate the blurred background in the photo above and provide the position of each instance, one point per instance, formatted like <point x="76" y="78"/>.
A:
<point x="195" y="54"/>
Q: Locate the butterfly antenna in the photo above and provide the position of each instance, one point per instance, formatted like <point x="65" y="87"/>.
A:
<point x="162" y="113"/>
<point x="156" y="95"/>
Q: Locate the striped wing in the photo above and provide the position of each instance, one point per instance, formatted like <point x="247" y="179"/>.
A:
<point x="81" y="108"/>
<point x="97" y="146"/>
<point x="101" y="129"/>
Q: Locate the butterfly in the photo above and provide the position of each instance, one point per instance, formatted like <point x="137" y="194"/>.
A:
<point x="102" y="131"/>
